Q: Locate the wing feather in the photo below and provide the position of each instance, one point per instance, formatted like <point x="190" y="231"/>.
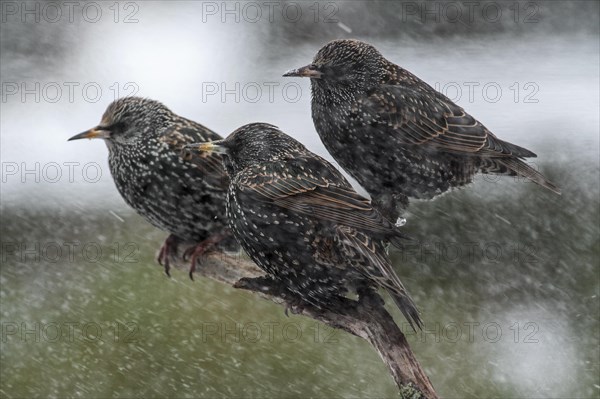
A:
<point x="329" y="197"/>
<point x="418" y="115"/>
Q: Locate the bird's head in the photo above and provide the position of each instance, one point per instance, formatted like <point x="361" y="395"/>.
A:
<point x="251" y="145"/>
<point x="349" y="64"/>
<point x="129" y="119"/>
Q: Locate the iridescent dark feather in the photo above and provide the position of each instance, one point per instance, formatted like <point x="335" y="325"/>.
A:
<point x="183" y="194"/>
<point x="394" y="133"/>
<point x="300" y="220"/>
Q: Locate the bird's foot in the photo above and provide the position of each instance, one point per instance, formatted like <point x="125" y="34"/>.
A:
<point x="263" y="284"/>
<point x="200" y="250"/>
<point x="294" y="305"/>
<point x="401" y="202"/>
<point x="391" y="206"/>
<point x="269" y="286"/>
<point x="168" y="249"/>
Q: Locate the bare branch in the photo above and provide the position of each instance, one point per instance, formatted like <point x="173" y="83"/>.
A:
<point x="365" y="319"/>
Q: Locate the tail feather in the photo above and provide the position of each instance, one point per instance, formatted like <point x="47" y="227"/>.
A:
<point x="520" y="168"/>
<point x="515" y="150"/>
<point x="408" y="308"/>
<point x="376" y="267"/>
<point x="401" y="240"/>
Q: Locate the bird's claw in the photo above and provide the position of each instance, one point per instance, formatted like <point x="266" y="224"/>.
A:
<point x="400" y="221"/>
<point x="198" y="251"/>
<point x="164" y="253"/>
<point x="294" y="308"/>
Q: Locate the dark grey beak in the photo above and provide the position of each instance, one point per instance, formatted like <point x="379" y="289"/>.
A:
<point x="308" y="71"/>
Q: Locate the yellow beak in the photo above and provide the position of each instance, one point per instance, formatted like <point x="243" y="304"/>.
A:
<point x="211" y="146"/>
<point x="97" y="132"/>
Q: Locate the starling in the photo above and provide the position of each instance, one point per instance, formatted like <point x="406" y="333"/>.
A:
<point x="396" y="135"/>
<point x="182" y="195"/>
<point x="302" y="223"/>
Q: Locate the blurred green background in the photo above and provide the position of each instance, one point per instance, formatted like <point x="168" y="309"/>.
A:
<point x="509" y="299"/>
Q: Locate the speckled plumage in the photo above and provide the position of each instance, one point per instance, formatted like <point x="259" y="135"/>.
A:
<point x="394" y="133"/>
<point x="185" y="197"/>
<point x="303" y="223"/>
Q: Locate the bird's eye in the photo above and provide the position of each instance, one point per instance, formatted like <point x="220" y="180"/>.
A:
<point x="116" y="127"/>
